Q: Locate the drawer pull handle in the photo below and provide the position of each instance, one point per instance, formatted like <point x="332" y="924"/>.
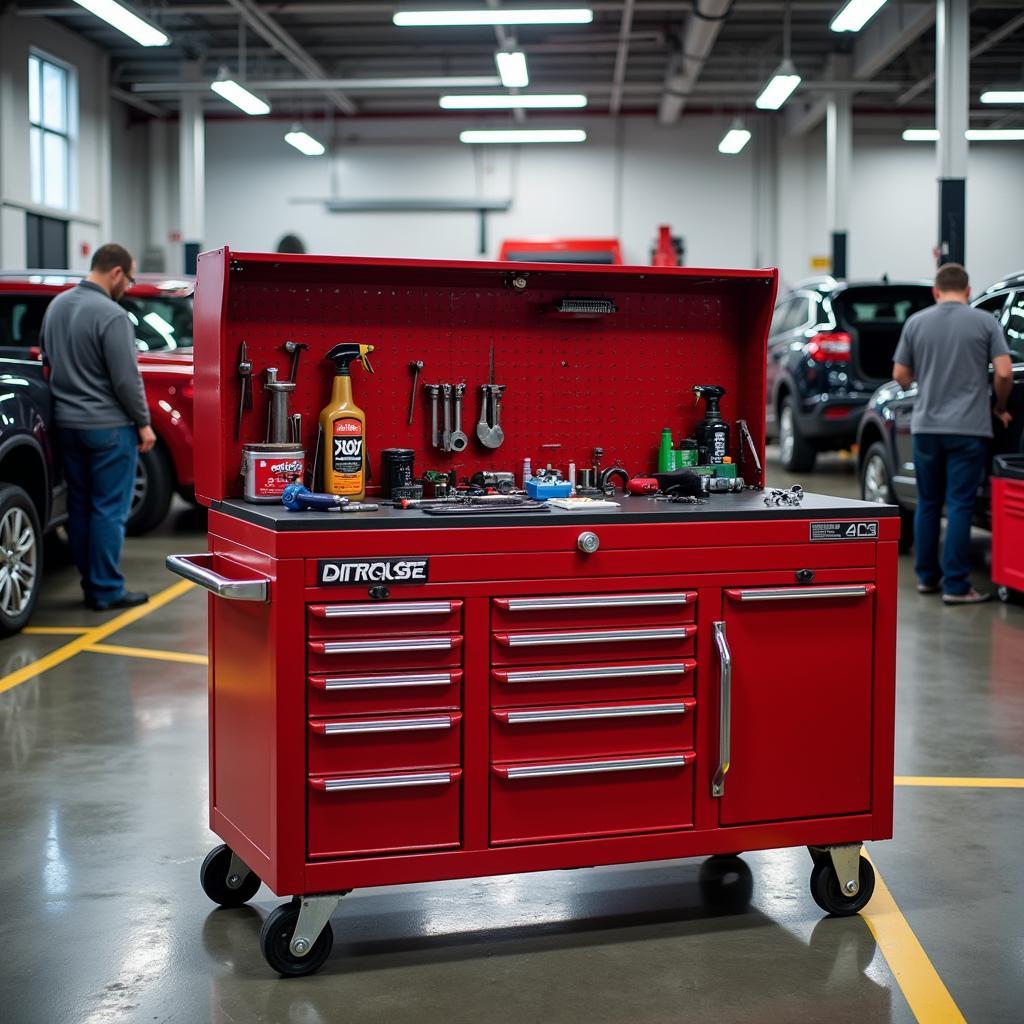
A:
<point x="383" y="725"/>
<point x="390" y="646"/>
<point x="384" y="609"/>
<point x="586" y="714"/>
<point x="800" y="593"/>
<point x="198" y="569"/>
<point x="546" y="604"/>
<point x="632" y="764"/>
<point x="725" y="712"/>
<point x="384" y="781"/>
<point x="595" y="636"/>
<point x="387" y="682"/>
<point x="603" y="672"/>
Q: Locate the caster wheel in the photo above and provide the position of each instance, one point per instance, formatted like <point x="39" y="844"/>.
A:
<point x="213" y="877"/>
<point x="276" y="935"/>
<point x="1009" y="596"/>
<point x="827" y="894"/>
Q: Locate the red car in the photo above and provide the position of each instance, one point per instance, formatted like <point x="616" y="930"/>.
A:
<point x="161" y="310"/>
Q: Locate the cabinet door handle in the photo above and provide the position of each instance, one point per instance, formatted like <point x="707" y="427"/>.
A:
<point x="387" y="682"/>
<point x="631" y="764"/>
<point x="547" y="604"/>
<point x="389" y="646"/>
<point x="384" y="725"/>
<point x="725" y="711"/>
<point x="566" y="675"/>
<point x="385" y="781"/>
<point x="593" y="636"/>
<point x="198" y="568"/>
<point x="588" y="713"/>
<point x="384" y="609"/>
<point x="801" y="593"/>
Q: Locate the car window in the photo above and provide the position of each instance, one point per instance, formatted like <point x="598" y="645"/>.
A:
<point x="992" y="304"/>
<point x="1013" y="326"/>
<point x="790" y="315"/>
<point x="889" y="306"/>
<point x="161" y="325"/>
<point x="779" y="317"/>
<point x="21" y="316"/>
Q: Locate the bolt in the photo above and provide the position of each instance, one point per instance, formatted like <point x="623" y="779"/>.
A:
<point x="851" y="887"/>
<point x="300" y="946"/>
<point x="519" y="283"/>
<point x="234" y="881"/>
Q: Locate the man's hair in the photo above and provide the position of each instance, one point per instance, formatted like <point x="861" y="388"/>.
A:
<point x="951" y="277"/>
<point x="111" y="255"/>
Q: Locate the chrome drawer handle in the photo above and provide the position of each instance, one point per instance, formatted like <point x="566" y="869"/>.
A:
<point x="725" y="714"/>
<point x="633" y="764"/>
<point x="387" y="682"/>
<point x="586" y="714"/>
<point x="387" y="725"/>
<point x="604" y="636"/>
<point x="198" y="569"/>
<point x="386" y="781"/>
<point x="799" y="593"/>
<point x="546" y="604"/>
<point x="611" y="672"/>
<point x="384" y="609"/>
<point x="441" y="643"/>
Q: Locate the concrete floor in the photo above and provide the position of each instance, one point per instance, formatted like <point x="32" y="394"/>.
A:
<point x="103" y="803"/>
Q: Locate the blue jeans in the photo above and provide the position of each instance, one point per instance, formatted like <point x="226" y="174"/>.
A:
<point x="99" y="466"/>
<point x="949" y="470"/>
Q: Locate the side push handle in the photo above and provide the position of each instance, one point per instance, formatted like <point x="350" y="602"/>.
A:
<point x="725" y="712"/>
<point x="198" y="569"/>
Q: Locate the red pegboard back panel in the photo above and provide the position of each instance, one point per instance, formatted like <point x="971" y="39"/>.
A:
<point x="613" y="381"/>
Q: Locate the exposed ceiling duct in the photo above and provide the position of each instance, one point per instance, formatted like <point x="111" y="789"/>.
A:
<point x="699" y="34"/>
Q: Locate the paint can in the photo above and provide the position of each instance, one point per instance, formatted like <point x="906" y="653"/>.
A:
<point x="267" y="469"/>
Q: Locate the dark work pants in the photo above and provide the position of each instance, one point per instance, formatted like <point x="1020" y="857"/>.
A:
<point x="99" y="466"/>
<point x="949" y="471"/>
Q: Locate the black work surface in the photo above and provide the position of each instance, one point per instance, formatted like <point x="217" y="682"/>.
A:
<point x="745" y="506"/>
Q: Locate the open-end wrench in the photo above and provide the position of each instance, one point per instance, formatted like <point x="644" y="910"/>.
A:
<point x="446" y="435"/>
<point x="458" y="442"/>
<point x="491" y="435"/>
<point x="483" y="425"/>
<point x="433" y="390"/>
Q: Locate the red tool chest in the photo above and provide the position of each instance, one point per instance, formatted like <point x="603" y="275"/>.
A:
<point x="1008" y="526"/>
<point x="713" y="678"/>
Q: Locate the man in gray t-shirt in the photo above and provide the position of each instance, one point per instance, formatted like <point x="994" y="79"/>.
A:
<point x="947" y="349"/>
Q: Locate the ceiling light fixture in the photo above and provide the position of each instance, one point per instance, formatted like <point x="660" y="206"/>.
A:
<point x="855" y="15"/>
<point x="516" y="136"/>
<point x="734" y="139"/>
<point x="304" y="142"/>
<point x="507" y="102"/>
<point x="126" y="21"/>
<point x="1003" y="96"/>
<point x="995" y="134"/>
<point x="779" y="88"/>
<point x="512" y="69"/>
<point x="920" y="135"/>
<point x="228" y="89"/>
<point x="501" y="16"/>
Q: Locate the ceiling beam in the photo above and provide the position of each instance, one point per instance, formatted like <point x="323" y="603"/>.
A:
<point x="621" y="57"/>
<point x="699" y="34"/>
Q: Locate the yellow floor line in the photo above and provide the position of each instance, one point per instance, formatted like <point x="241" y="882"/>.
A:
<point x="924" y="990"/>
<point x="55" y="630"/>
<point x="949" y="782"/>
<point x="94" y="636"/>
<point x="148" y="652"/>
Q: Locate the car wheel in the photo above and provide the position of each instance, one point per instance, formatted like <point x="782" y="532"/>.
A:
<point x="21" y="559"/>
<point x="796" y="455"/>
<point x="876" y="486"/>
<point x="151" y="495"/>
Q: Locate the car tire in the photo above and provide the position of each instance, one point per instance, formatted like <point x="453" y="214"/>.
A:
<point x="795" y="452"/>
<point x="876" y="486"/>
<point x="153" y="489"/>
<point x="21" y="559"/>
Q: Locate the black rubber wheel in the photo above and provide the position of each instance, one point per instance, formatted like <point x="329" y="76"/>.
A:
<point x="213" y="877"/>
<point x="153" y="490"/>
<point x="1009" y="596"/>
<point x="275" y="936"/>
<point x="21" y="559"/>
<point x="827" y="894"/>
<point x="876" y="486"/>
<point x="796" y="454"/>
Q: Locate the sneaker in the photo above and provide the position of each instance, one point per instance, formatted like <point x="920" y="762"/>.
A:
<point x="129" y="599"/>
<point x="971" y="597"/>
<point x="929" y="588"/>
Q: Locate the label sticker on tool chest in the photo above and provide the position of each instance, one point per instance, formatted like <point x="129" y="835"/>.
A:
<point x="335" y="572"/>
<point x="862" y="529"/>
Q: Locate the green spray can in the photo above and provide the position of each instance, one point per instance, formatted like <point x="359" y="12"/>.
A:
<point x="666" y="457"/>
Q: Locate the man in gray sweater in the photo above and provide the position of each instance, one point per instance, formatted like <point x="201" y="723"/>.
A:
<point x="102" y="419"/>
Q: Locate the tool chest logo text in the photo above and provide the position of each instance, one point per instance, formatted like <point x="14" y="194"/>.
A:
<point x="864" y="529"/>
<point x="339" y="571"/>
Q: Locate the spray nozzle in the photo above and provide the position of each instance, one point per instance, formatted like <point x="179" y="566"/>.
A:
<point x="342" y="356"/>
<point x="711" y="393"/>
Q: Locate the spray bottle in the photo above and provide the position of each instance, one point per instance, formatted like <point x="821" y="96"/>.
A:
<point x="343" y="427"/>
<point x="712" y="432"/>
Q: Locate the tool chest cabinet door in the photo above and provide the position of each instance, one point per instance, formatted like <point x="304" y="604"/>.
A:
<point x="384" y="654"/>
<point x="566" y="611"/>
<point x="799" y="717"/>
<point x="367" y="693"/>
<point x="585" y="646"/>
<point x="365" y="618"/>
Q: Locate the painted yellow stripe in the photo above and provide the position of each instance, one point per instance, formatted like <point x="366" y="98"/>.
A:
<point x="94" y="636"/>
<point x="148" y="652"/>
<point x="56" y="630"/>
<point x="920" y="983"/>
<point x="943" y="781"/>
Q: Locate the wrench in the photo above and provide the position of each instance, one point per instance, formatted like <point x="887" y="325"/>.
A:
<point x="458" y="442"/>
<point x="483" y="426"/>
<point x="491" y="435"/>
<point x="433" y="390"/>
<point x="415" y="368"/>
<point x="446" y="436"/>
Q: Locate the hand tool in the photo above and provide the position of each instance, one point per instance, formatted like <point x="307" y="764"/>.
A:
<point x="643" y="485"/>
<point x="297" y="498"/>
<point x="488" y="429"/>
<point x="432" y="390"/>
<point x="295" y="425"/>
<point x="469" y="510"/>
<point x="616" y="473"/>
<point x="745" y="434"/>
<point x="446" y="435"/>
<point x="501" y="481"/>
<point x="459" y="442"/>
<point x="245" y="376"/>
<point x="415" y="367"/>
<point x="277" y="418"/>
<point x="776" y="497"/>
<point x="295" y="350"/>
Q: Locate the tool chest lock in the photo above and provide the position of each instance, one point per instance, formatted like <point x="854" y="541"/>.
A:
<point x="399" y="696"/>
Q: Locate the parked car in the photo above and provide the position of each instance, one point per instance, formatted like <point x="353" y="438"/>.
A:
<point x="161" y="311"/>
<point x="886" y="458"/>
<point x="829" y="347"/>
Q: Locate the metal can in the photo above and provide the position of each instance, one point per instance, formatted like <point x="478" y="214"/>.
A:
<point x="267" y="469"/>
<point x="397" y="464"/>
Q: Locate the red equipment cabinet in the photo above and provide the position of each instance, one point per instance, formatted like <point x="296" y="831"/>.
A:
<point x="712" y="678"/>
<point x="1008" y="526"/>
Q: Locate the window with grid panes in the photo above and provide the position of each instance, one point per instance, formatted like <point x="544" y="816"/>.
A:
<point x="51" y="118"/>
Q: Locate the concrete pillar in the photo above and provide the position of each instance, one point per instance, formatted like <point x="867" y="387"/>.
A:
<point x="952" y="73"/>
<point x="839" y="170"/>
<point x="192" y="176"/>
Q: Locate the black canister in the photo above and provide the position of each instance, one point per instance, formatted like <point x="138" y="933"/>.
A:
<point x="397" y="464"/>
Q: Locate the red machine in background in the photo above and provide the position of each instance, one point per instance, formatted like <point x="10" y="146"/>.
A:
<point x="1008" y="526"/>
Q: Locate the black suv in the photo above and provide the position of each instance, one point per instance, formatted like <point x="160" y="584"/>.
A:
<point x="830" y="345"/>
<point x="886" y="458"/>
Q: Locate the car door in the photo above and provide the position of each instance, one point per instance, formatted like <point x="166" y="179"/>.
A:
<point x="792" y="316"/>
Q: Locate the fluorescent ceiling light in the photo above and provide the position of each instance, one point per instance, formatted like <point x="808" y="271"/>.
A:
<point x="780" y="88"/>
<point x="517" y="135"/>
<point x="855" y="15"/>
<point x="997" y="96"/>
<point x="304" y="142"/>
<point x="501" y="16"/>
<point x="995" y="134"/>
<point x="921" y="135"/>
<point x="512" y="68"/>
<point x="125" y="21"/>
<point x="509" y="102"/>
<point x="230" y="90"/>
<point x="734" y="139"/>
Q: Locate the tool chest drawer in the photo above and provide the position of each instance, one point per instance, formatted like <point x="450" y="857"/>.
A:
<point x="384" y="743"/>
<point x="383" y="812"/>
<point x="559" y="611"/>
<point x="379" y="618"/>
<point x="384" y="654"/>
<point x="567" y="799"/>
<point x="519" y="687"/>
<point x="574" y="646"/>
<point x="592" y="730"/>
<point x="357" y="694"/>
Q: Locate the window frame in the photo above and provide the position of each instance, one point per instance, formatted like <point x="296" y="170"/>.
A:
<point x="69" y="135"/>
<point x="1014" y="298"/>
